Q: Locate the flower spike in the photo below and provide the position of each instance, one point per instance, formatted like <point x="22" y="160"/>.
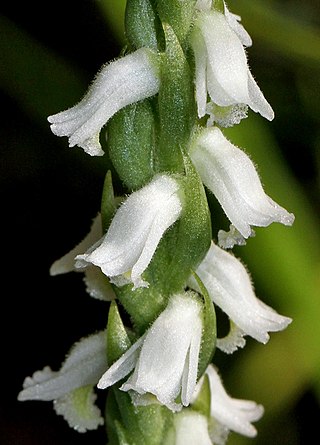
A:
<point x="120" y="83"/>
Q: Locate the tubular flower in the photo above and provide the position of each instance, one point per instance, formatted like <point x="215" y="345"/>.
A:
<point x="229" y="286"/>
<point x="230" y="174"/>
<point x="165" y="358"/>
<point x="71" y="388"/>
<point x="222" y="70"/>
<point x="120" y="83"/>
<point x="228" y="414"/>
<point x="126" y="250"/>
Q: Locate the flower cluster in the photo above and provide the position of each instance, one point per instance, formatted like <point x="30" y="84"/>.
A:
<point x="152" y="252"/>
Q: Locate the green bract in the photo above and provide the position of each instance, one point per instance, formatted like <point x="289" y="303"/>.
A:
<point x="142" y="25"/>
<point x="131" y="144"/>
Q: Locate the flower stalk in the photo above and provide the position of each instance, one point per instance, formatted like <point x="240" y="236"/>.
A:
<point x="150" y="255"/>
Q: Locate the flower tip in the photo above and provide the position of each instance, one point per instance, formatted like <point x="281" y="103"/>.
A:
<point x="56" y="269"/>
<point x="286" y="321"/>
<point x="287" y="219"/>
<point x="101" y="384"/>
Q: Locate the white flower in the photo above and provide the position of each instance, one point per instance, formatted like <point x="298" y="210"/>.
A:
<point x="229" y="286"/>
<point x="135" y="231"/>
<point x="71" y="388"/>
<point x="165" y="359"/>
<point x="230" y="174"/>
<point x="221" y="65"/>
<point x="120" y="83"/>
<point x="228" y="414"/>
<point x="97" y="284"/>
<point x="191" y="428"/>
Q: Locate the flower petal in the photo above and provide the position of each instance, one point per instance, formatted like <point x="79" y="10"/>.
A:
<point x="98" y="285"/>
<point x="121" y="367"/>
<point x="79" y="410"/>
<point x="67" y="263"/>
<point x="200" y="55"/>
<point x="233" y="340"/>
<point x="83" y="366"/>
<point x="234" y="414"/>
<point x="227" y="61"/>
<point x="257" y="101"/>
<point x="127" y="80"/>
<point x="233" y="21"/>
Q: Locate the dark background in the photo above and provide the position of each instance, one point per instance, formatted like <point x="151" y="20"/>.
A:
<point x="50" y="193"/>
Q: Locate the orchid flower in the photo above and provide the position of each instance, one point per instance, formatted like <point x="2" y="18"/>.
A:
<point x="165" y="359"/>
<point x="222" y="70"/>
<point x="226" y="413"/>
<point x="126" y="250"/>
<point x="230" y="174"/>
<point x="71" y="388"/>
<point x="229" y="286"/>
<point x="118" y="84"/>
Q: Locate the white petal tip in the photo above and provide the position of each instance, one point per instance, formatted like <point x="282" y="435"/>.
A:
<point x="287" y="219"/>
<point x="103" y="384"/>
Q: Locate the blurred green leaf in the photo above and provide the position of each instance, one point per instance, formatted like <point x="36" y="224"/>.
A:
<point x="293" y="38"/>
<point x="114" y="14"/>
<point x="40" y="81"/>
<point x="285" y="262"/>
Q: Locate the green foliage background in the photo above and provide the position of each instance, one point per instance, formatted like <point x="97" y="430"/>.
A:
<point x="51" y="192"/>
